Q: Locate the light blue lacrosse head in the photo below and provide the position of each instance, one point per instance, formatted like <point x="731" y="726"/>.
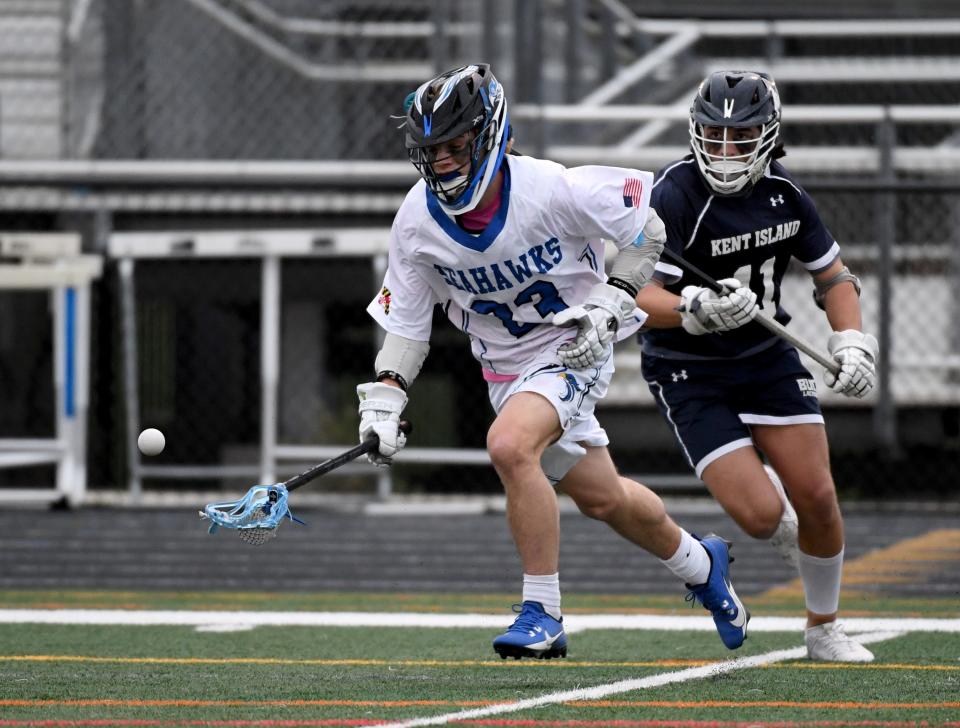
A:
<point x="264" y="506"/>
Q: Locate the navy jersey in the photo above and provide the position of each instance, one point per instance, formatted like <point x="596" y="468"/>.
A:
<point x="750" y="238"/>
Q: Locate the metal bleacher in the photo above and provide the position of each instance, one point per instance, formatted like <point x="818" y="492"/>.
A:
<point x="30" y="79"/>
<point x="840" y="80"/>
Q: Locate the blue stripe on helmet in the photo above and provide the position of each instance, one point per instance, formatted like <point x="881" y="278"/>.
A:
<point x="466" y="195"/>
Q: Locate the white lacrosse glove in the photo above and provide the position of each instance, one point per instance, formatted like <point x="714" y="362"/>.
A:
<point x="598" y="319"/>
<point x="857" y="353"/>
<point x="704" y="311"/>
<point x="380" y="408"/>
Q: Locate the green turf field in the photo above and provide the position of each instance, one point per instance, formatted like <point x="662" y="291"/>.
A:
<point x="151" y="675"/>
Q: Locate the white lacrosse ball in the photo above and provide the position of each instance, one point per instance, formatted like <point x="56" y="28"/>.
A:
<point x="151" y="441"/>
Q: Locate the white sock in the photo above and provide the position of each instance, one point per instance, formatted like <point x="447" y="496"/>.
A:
<point x="690" y="562"/>
<point x="821" y="582"/>
<point x="543" y="588"/>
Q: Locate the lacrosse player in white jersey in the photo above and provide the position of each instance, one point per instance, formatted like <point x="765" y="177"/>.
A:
<point x="507" y="244"/>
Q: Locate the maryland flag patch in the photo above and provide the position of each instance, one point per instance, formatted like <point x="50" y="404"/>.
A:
<point x="383" y="300"/>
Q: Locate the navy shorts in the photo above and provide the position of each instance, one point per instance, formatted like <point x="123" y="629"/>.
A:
<point x="711" y="404"/>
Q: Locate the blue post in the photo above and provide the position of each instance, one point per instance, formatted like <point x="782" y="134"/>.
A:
<point x="70" y="368"/>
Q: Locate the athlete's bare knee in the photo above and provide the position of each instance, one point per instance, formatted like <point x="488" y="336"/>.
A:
<point x="761" y="524"/>
<point x="600" y="509"/>
<point x="506" y="451"/>
<point x="817" y="503"/>
<point x="757" y="516"/>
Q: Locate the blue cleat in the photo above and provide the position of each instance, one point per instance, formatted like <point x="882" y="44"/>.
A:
<point x="534" y="633"/>
<point x="718" y="596"/>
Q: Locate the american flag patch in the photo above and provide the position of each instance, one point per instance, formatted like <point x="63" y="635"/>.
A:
<point x="632" y="192"/>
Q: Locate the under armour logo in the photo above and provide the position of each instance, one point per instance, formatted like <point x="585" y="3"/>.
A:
<point x="778" y="200"/>
<point x="677" y="376"/>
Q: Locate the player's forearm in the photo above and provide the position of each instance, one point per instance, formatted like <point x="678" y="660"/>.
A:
<point x="660" y="306"/>
<point x="842" y="305"/>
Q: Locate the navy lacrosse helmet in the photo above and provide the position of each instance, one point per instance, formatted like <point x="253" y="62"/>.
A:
<point x="467" y="99"/>
<point x="732" y="100"/>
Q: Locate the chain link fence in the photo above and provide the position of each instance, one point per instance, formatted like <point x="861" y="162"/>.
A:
<point x="199" y="358"/>
<point x="265" y="79"/>
<point x="297" y="80"/>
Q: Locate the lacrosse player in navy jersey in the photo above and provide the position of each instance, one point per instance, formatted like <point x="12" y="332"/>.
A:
<point x="729" y="387"/>
<point x="506" y="244"/>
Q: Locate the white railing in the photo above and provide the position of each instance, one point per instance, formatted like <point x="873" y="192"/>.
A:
<point x="52" y="262"/>
<point x="349" y="174"/>
<point x="378" y="29"/>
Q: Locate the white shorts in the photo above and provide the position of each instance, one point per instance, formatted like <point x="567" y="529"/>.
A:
<point x="574" y="395"/>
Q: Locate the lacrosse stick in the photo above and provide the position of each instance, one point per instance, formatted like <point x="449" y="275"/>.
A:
<point x="762" y="318"/>
<point x="257" y="515"/>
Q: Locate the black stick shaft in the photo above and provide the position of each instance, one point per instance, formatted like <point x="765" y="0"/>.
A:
<point x="332" y="464"/>
<point x="367" y="446"/>
<point x="691" y="268"/>
<point x="763" y="319"/>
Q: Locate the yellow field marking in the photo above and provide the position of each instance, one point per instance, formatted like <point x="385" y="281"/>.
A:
<point x="910" y="561"/>
<point x="341" y="662"/>
<point x="685" y="704"/>
<point x="871" y="666"/>
<point x="404" y="609"/>
<point x="553" y="664"/>
<point x="837" y="705"/>
<point x="113" y="703"/>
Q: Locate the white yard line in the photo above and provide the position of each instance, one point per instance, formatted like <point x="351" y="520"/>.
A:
<point x="624" y="686"/>
<point x="574" y="622"/>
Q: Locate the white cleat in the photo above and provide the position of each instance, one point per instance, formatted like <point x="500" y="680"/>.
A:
<point x="784" y="539"/>
<point x="828" y="643"/>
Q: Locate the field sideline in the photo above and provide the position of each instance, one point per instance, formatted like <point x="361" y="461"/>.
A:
<point x="102" y="624"/>
<point x="189" y="667"/>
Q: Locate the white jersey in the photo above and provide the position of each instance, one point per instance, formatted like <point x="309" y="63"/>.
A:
<point x="541" y="253"/>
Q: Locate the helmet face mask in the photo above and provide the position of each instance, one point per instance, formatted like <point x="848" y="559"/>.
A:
<point x="734" y="129"/>
<point x="455" y="135"/>
<point x="446" y="166"/>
